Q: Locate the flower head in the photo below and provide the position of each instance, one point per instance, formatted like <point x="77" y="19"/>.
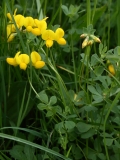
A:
<point x="36" y="60"/>
<point x="22" y="60"/>
<point x="48" y="36"/>
<point x="59" y="33"/>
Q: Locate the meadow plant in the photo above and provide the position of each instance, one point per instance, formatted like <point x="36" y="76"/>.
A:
<point x="60" y="80"/>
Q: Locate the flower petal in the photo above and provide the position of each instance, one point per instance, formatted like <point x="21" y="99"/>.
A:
<point x="48" y="34"/>
<point x="39" y="64"/>
<point x="35" y="57"/>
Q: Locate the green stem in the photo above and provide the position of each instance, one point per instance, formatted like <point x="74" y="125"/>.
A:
<point x="88" y="13"/>
<point x="94" y="10"/>
<point x="106" y="117"/>
<point x="109" y="23"/>
<point x="73" y="60"/>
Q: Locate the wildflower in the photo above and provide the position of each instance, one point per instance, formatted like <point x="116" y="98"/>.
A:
<point x="111" y="69"/>
<point x="22" y="60"/>
<point x="48" y="36"/>
<point x="36" y="60"/>
<point x="59" y="33"/>
<point x="41" y="25"/>
<point x="28" y="23"/>
<point x="19" y="19"/>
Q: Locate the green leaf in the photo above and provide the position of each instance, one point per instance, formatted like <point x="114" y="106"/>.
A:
<point x="65" y="126"/>
<point x="72" y="95"/>
<point x="43" y="97"/>
<point x="17" y="152"/>
<point x="117" y="50"/>
<point x="93" y="90"/>
<point x="97" y="98"/>
<point x="29" y="152"/>
<point x="101" y="156"/>
<point x="65" y="10"/>
<point x="108" y="141"/>
<point x="88" y="134"/>
<point x="117" y="144"/>
<point x="97" y="144"/>
<point x="49" y="114"/>
<point x="89" y="108"/>
<point x="53" y="100"/>
<point x="99" y="70"/>
<point x="42" y="106"/>
<point x="83" y="127"/>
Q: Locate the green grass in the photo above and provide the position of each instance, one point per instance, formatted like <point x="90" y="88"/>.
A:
<point x="70" y="108"/>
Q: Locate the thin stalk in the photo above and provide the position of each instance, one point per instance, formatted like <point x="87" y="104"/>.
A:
<point x="73" y="60"/>
<point x="109" y="23"/>
<point x="88" y="13"/>
<point x="94" y="10"/>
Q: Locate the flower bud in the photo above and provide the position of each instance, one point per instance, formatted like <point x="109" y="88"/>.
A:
<point x="85" y="42"/>
<point x="83" y="35"/>
<point x="111" y="69"/>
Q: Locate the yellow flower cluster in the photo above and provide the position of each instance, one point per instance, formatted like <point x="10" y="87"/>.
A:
<point x="23" y="60"/>
<point x="36" y="27"/>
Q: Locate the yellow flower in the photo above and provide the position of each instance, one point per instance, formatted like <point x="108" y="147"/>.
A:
<point x="22" y="60"/>
<point x="36" y="60"/>
<point x="28" y="21"/>
<point x="41" y="25"/>
<point x="111" y="69"/>
<point x="19" y="19"/>
<point x="59" y="33"/>
<point x="48" y="36"/>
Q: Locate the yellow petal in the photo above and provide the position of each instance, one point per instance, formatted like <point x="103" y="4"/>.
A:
<point x="41" y="24"/>
<point x="48" y="34"/>
<point x="19" y="19"/>
<point x="59" y="33"/>
<point x="35" y="57"/>
<point x="29" y="28"/>
<point x="61" y="41"/>
<point x="9" y="16"/>
<point x="39" y="64"/>
<point x="28" y="21"/>
<point x="36" y="31"/>
<point x="24" y="58"/>
<point x="11" y="61"/>
<point x="11" y="37"/>
<point x="49" y="43"/>
<point x="23" y="66"/>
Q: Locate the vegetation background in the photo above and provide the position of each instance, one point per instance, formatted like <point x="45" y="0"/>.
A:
<point x="69" y="109"/>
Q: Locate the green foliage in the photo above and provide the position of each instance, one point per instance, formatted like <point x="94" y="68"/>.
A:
<point x="70" y="108"/>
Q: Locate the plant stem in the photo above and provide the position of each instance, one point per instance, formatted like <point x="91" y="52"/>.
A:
<point x="73" y="60"/>
<point x="88" y="13"/>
